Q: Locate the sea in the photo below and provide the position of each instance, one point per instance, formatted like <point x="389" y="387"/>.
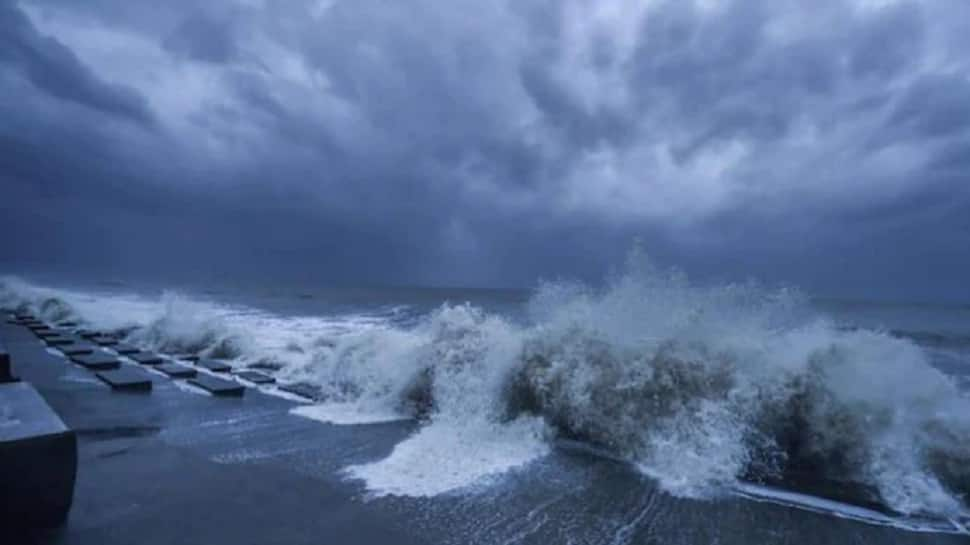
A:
<point x="646" y="409"/>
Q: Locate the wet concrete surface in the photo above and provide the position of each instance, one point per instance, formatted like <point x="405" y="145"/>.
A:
<point x="176" y="466"/>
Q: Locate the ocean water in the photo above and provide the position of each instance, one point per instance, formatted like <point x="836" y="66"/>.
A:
<point x="853" y="409"/>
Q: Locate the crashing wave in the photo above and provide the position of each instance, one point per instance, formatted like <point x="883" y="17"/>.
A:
<point x="700" y="387"/>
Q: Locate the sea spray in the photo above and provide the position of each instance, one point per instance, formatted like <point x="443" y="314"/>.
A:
<point x="701" y="387"/>
<point x="186" y="326"/>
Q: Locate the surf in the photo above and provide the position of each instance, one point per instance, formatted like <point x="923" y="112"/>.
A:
<point x="706" y="389"/>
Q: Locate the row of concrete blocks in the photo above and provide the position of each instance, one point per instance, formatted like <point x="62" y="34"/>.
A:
<point x="89" y="349"/>
<point x="38" y="452"/>
<point x="38" y="456"/>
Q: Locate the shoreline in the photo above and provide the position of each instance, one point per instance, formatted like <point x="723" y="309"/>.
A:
<point x="247" y="467"/>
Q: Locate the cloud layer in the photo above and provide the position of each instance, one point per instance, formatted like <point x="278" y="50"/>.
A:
<point x="490" y="143"/>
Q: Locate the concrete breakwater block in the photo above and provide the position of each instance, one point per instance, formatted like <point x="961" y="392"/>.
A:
<point x="255" y="377"/>
<point x="97" y="361"/>
<point x="146" y="358"/>
<point x="60" y="341"/>
<point x="218" y="386"/>
<point x="187" y="357"/>
<point x="266" y="365"/>
<point x="38" y="460"/>
<point x="67" y="324"/>
<point x="303" y="389"/>
<point x="126" y="378"/>
<point x="215" y="366"/>
<point x="77" y="349"/>
<point x="47" y="333"/>
<point x="6" y="364"/>
<point x="15" y="321"/>
<point x="125" y="349"/>
<point x="177" y="370"/>
<point x="104" y="340"/>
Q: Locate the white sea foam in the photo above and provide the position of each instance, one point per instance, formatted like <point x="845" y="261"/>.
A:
<point x="348" y="413"/>
<point x="846" y="511"/>
<point x="464" y="362"/>
<point x="451" y="456"/>
<point x="102" y="311"/>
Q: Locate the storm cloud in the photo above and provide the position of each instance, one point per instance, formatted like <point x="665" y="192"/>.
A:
<point x="825" y="144"/>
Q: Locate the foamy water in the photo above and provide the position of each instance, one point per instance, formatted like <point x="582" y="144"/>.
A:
<point x="348" y="413"/>
<point x="450" y="456"/>
<point x="701" y="388"/>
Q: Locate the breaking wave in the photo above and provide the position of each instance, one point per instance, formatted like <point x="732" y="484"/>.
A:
<point x="699" y="387"/>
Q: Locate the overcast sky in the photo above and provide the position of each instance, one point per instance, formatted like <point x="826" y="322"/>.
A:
<point x="490" y="143"/>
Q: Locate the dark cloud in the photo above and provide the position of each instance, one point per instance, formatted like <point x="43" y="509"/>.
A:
<point x="935" y="106"/>
<point x="482" y="143"/>
<point x="201" y="37"/>
<point x="53" y="68"/>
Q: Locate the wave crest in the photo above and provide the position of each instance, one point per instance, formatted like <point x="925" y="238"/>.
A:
<point x="702" y="387"/>
<point x="184" y="326"/>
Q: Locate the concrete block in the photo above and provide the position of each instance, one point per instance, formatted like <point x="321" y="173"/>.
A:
<point x="38" y="326"/>
<point x="48" y="332"/>
<point x="146" y="358"/>
<point x="255" y="377"/>
<point x="38" y="461"/>
<point x="6" y="371"/>
<point x="125" y="349"/>
<point x="177" y="370"/>
<point x="60" y="340"/>
<point x="103" y="340"/>
<point x="187" y="357"/>
<point x="215" y="366"/>
<point x="217" y="386"/>
<point x="126" y="378"/>
<point x="97" y="361"/>
<point x="303" y="389"/>
<point x="266" y="365"/>
<point x="77" y="349"/>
